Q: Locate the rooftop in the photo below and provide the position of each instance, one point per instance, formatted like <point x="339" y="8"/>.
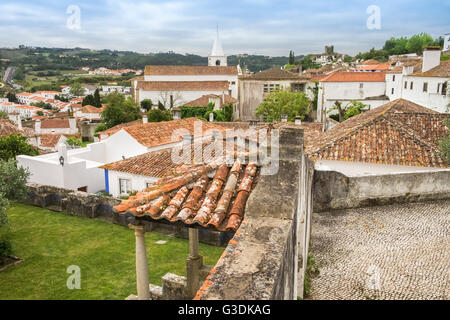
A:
<point x="154" y="134"/>
<point x="55" y="124"/>
<point x="190" y="70"/>
<point x="355" y="77"/>
<point x="203" y="101"/>
<point x="211" y="196"/>
<point x="183" y="85"/>
<point x="399" y="132"/>
<point x="274" y="73"/>
<point x="442" y="70"/>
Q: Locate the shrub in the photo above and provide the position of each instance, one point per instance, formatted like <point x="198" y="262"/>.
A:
<point x="159" y="115"/>
<point x="444" y="145"/>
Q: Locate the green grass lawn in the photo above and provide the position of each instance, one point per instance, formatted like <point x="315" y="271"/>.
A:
<point x="49" y="242"/>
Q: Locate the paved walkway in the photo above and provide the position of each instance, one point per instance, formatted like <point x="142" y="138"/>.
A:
<point x="388" y="252"/>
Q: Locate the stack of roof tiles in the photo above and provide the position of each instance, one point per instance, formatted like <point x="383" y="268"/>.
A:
<point x="399" y="132"/>
<point x="211" y="196"/>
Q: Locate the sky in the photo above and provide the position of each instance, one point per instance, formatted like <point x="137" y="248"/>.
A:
<point x="266" y="27"/>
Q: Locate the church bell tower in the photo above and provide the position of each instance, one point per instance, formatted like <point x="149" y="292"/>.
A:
<point x="217" y="57"/>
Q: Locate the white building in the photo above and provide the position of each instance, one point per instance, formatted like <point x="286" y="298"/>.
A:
<point x="59" y="126"/>
<point x="89" y="113"/>
<point x="345" y="87"/>
<point x="423" y="83"/>
<point x="446" y="43"/>
<point x="78" y="169"/>
<point x="175" y="85"/>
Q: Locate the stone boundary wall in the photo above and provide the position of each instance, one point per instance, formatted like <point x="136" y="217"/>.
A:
<point x="333" y="190"/>
<point x="100" y="207"/>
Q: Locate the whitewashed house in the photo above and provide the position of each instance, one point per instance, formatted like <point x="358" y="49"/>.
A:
<point x="345" y="87"/>
<point x="78" y="169"/>
<point x="60" y="126"/>
<point x="423" y="83"/>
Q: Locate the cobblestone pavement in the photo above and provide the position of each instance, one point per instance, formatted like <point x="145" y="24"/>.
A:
<point x="387" y="252"/>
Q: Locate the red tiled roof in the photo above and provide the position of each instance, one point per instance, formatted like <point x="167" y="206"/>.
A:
<point x="442" y="71"/>
<point x="355" y="77"/>
<point x="7" y="128"/>
<point x="91" y="109"/>
<point x="154" y="134"/>
<point x="203" y="101"/>
<point x="399" y="132"/>
<point x="159" y="164"/>
<point x="55" y="124"/>
<point x="274" y="73"/>
<point x="380" y="66"/>
<point x="196" y="199"/>
<point x="190" y="70"/>
<point x="183" y="85"/>
<point x="369" y="62"/>
<point x="50" y="140"/>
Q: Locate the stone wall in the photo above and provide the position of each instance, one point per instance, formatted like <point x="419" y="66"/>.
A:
<point x="261" y="261"/>
<point x="100" y="207"/>
<point x="334" y="190"/>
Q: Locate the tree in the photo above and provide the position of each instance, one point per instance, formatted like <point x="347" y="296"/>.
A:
<point x="284" y="102"/>
<point x="157" y="115"/>
<point x="291" y="57"/>
<point x="417" y="43"/>
<point x="170" y="99"/>
<point x="11" y="97"/>
<point x="12" y="187"/>
<point x="3" y="114"/>
<point x="119" y="110"/>
<point x="146" y="104"/>
<point x="74" y="142"/>
<point x="14" y="145"/>
<point x="88" y="100"/>
<point x="444" y="145"/>
<point x="40" y="113"/>
<point x="351" y="109"/>
<point x="19" y="74"/>
<point x="97" y="99"/>
<point x="76" y="89"/>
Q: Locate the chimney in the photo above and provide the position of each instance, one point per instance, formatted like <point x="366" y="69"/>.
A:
<point x="19" y="122"/>
<point x="37" y="126"/>
<point x="62" y="152"/>
<point x="216" y="135"/>
<point x="284" y="118"/>
<point x="298" y="120"/>
<point x="187" y="139"/>
<point x="211" y="117"/>
<point x="72" y="124"/>
<point x="145" y="119"/>
<point x="431" y="58"/>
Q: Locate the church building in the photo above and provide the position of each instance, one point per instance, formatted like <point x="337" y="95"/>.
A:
<point x="174" y="86"/>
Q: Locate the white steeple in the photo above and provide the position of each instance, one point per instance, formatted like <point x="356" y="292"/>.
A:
<point x="217" y="57"/>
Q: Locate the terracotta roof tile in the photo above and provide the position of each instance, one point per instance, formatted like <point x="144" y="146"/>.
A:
<point x="183" y="85"/>
<point x="355" y="77"/>
<point x="399" y="132"/>
<point x="443" y="70"/>
<point x="217" y="202"/>
<point x="55" y="123"/>
<point x="203" y="101"/>
<point x="91" y="109"/>
<point x="274" y="74"/>
<point x="154" y="134"/>
<point x="190" y="70"/>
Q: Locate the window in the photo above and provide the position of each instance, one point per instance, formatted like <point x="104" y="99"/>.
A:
<point x="392" y="91"/>
<point x="361" y="85"/>
<point x="444" y="89"/>
<point x="124" y="186"/>
<point x="393" y="77"/>
<point x="148" y="184"/>
<point x="406" y="84"/>
<point x="297" y="87"/>
<point x="218" y="63"/>
<point x="425" y="87"/>
<point x="271" y="87"/>
<point x="412" y="85"/>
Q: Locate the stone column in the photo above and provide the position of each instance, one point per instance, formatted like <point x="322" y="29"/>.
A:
<point x="193" y="264"/>
<point x="143" y="289"/>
